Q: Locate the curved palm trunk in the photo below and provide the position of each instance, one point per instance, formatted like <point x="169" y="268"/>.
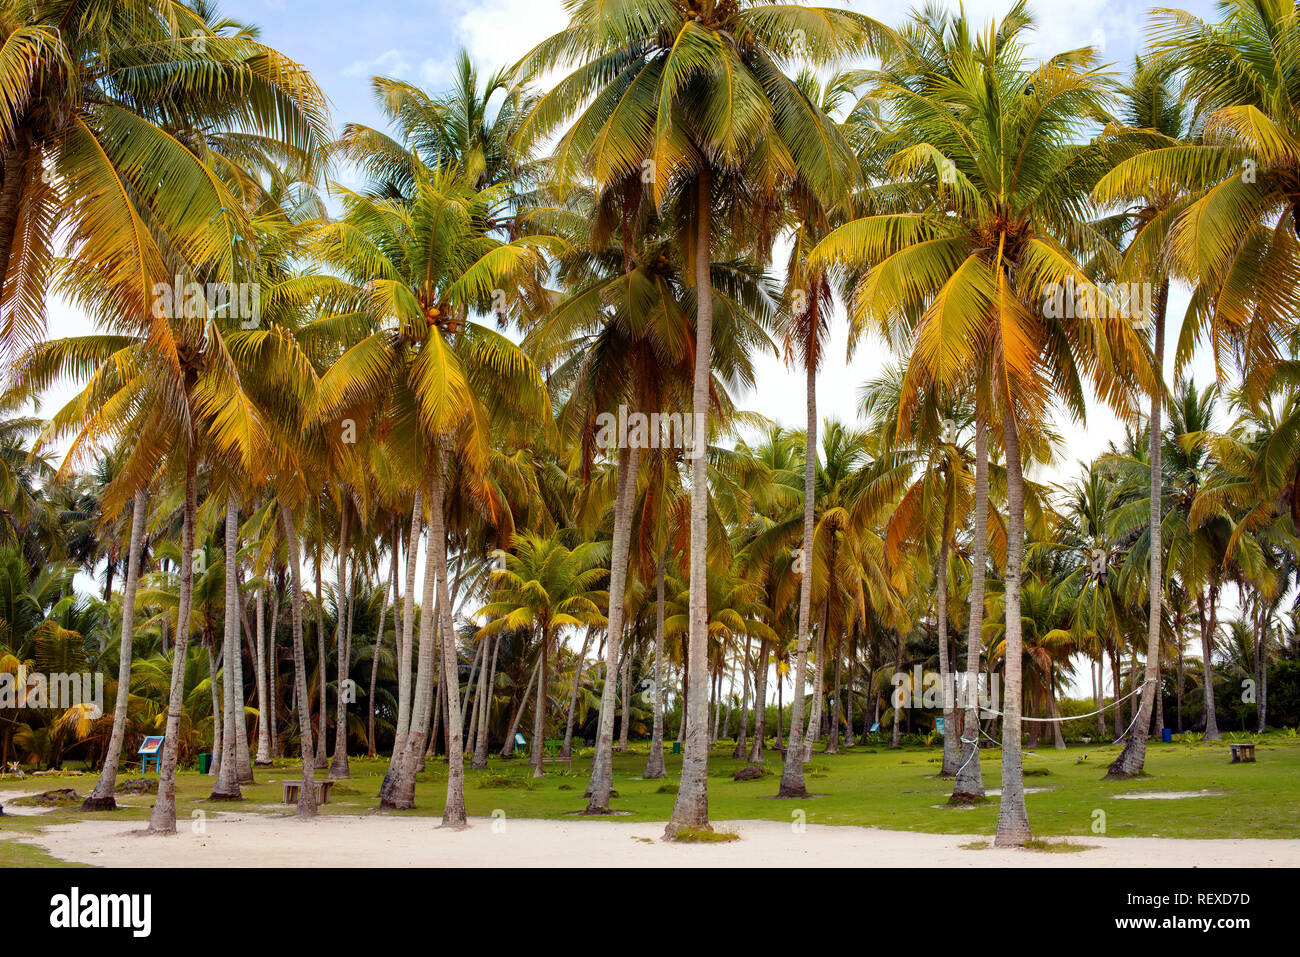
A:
<point x="243" y="764"/>
<point x="951" y="755"/>
<point x="691" y="809"/>
<point x="1132" y="759"/>
<point x="321" y="658"/>
<point x="573" y="696"/>
<point x="227" y="788"/>
<point x="403" y="642"/>
<point x="163" y="818"/>
<point x="792" y="782"/>
<point x="508" y="748"/>
<point x="602" y="768"/>
<point x="218" y="721"/>
<point x="970" y="781"/>
<point x="307" y="793"/>
<point x="1013" y="819"/>
<point x="101" y="798"/>
<point x="742" y="733"/>
<point x="654" y="765"/>
<point x="339" y="766"/>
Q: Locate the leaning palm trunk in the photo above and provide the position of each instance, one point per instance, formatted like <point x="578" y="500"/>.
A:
<point x="243" y="764"/>
<point x="691" y="809"/>
<point x="1013" y="819"/>
<point x="403" y="643"/>
<point x="218" y="722"/>
<point x="951" y="755"/>
<point x="321" y="756"/>
<point x="227" y="788"/>
<point x="539" y="712"/>
<point x="1208" y="625"/>
<point x="742" y="733"/>
<point x="339" y="766"/>
<point x="307" y="793"/>
<point x="407" y="762"/>
<point x="163" y="818"/>
<point x="101" y="798"/>
<point x="573" y="696"/>
<point x="379" y="640"/>
<point x="485" y="709"/>
<point x="756" y="752"/>
<point x="265" y="719"/>
<point x="970" y="781"/>
<point x="626" y="708"/>
<point x="602" y="764"/>
<point x="819" y="678"/>
<point x="508" y="748"/>
<point x="1132" y="759"/>
<point x="453" y="813"/>
<point x="792" y="782"/>
<point x="654" y="765"/>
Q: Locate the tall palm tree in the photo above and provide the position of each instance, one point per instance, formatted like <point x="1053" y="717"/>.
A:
<point x="690" y="92"/>
<point x="999" y="145"/>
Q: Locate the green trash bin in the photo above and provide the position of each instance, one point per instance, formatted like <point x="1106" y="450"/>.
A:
<point x="677" y="747"/>
<point x="205" y="762"/>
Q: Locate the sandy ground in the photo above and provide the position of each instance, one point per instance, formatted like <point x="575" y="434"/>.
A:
<point x="233" y="840"/>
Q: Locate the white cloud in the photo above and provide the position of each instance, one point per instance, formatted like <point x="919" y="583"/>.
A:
<point x="389" y="63"/>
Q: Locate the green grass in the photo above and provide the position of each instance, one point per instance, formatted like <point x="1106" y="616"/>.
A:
<point x="1056" y="847"/>
<point x="898" y="790"/>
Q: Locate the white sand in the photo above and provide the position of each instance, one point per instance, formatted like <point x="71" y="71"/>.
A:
<point x="235" y="840"/>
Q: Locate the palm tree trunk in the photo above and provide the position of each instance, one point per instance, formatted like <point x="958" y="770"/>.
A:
<point x="307" y="793"/>
<point x="508" y="748"/>
<point x="819" y="675"/>
<point x="951" y="753"/>
<point x="379" y="639"/>
<point x="339" y="765"/>
<point x="1013" y="819"/>
<point x="792" y="781"/>
<point x="654" y="765"/>
<point x="756" y="752"/>
<point x="14" y="157"/>
<point x="163" y="818"/>
<point x="573" y="696"/>
<point x="742" y="733"/>
<point x="485" y="709"/>
<point x="218" y="719"/>
<point x="833" y="738"/>
<point x="602" y="770"/>
<point x="1207" y="651"/>
<point x="265" y="717"/>
<point x="453" y="813"/>
<point x="227" y="788"/>
<point x="691" y="809"/>
<point x="626" y="707"/>
<point x="970" y="780"/>
<point x="101" y="798"/>
<point x="404" y="650"/>
<point x="539" y="712"/>
<point x="1133" y="758"/>
<point x="402" y="791"/>
<point x="898" y="669"/>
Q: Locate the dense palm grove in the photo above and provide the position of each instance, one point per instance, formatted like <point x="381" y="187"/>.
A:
<point x="405" y="500"/>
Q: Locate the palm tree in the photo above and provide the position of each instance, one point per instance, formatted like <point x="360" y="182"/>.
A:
<point x="690" y="94"/>
<point x="544" y="588"/>
<point x="994" y="141"/>
<point x="101" y="144"/>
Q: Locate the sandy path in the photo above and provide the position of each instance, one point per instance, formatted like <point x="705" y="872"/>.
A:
<point x="233" y="840"/>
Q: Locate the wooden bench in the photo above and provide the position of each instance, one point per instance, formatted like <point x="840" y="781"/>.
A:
<point x="292" y="788"/>
<point x="552" y="751"/>
<point x="1242" y="752"/>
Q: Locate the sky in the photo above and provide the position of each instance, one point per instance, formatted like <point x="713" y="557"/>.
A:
<point x="344" y="44"/>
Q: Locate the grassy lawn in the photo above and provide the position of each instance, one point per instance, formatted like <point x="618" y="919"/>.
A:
<point x="876" y="787"/>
